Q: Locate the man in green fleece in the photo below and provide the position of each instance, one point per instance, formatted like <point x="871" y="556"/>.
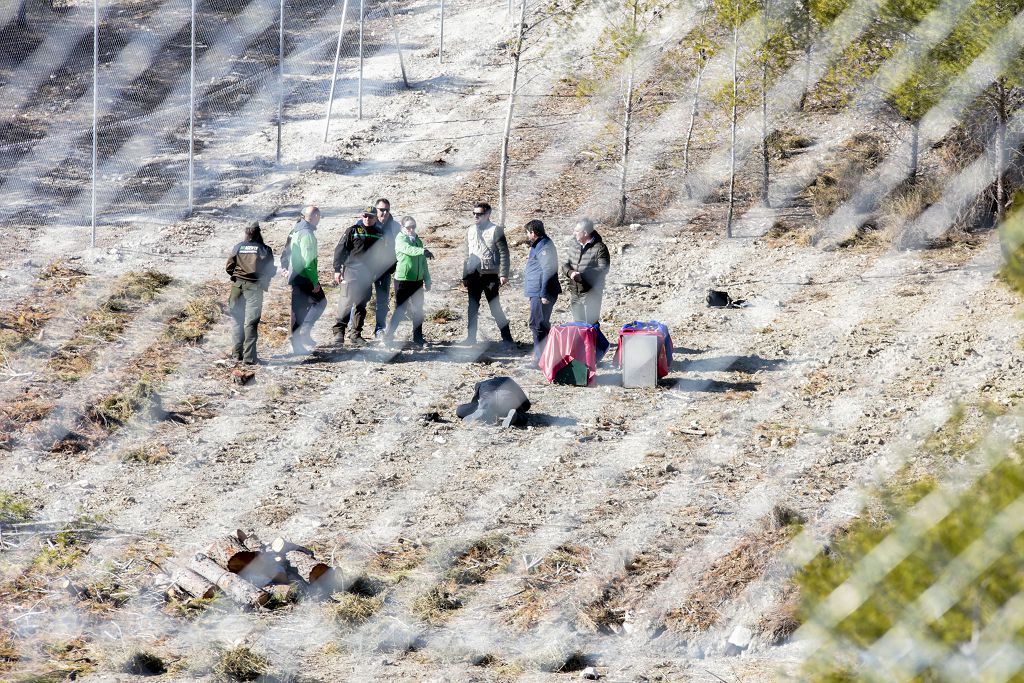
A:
<point x="412" y="279"/>
<point x="299" y="265"/>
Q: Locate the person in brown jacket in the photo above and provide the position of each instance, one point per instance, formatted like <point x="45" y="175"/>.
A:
<point x="585" y="271"/>
<point x="251" y="267"/>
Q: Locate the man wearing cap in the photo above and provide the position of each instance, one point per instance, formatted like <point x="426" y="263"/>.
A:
<point x="299" y="265"/>
<point x="485" y="271"/>
<point x="390" y="229"/>
<point x="357" y="258"/>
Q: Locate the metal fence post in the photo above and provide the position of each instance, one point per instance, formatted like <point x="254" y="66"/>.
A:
<point x="334" y="77"/>
<point x="440" y="42"/>
<point x="398" y="46"/>
<point x="95" y="105"/>
<point x="360" y="113"/>
<point x="192" y="114"/>
<point x="280" y="78"/>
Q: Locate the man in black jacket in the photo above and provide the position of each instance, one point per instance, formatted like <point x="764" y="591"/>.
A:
<point x="585" y="271"/>
<point x="251" y="267"/>
<point x="389" y="228"/>
<point x="358" y="258"/>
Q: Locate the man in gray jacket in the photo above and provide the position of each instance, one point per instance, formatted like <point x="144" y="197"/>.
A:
<point x="485" y="271"/>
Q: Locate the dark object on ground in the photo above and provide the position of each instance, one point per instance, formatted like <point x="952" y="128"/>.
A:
<point x="719" y="299"/>
<point x="493" y="400"/>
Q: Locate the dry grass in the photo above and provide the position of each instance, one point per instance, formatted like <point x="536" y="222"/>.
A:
<point x="782" y="621"/>
<point x="147" y="454"/>
<point x="242" y="664"/>
<point x="726" y="579"/>
<point x="836" y="184"/>
<point x="115" y="410"/>
<point x="195" y="320"/>
<point x="67" y="660"/>
<point x="473" y="566"/>
<point x="443" y="316"/>
<point x="103" y="324"/>
<point x="352" y="609"/>
<point x="398" y="559"/>
<point x="563" y="566"/>
<point x="609" y="613"/>
<point x="8" y="651"/>
<point x="15" y="508"/>
<point x="19" y="326"/>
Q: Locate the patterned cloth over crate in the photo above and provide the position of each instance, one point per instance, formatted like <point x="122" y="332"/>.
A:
<point x="572" y="353"/>
<point x="664" y="342"/>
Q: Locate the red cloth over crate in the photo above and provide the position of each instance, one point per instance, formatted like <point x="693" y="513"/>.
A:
<point x="569" y="342"/>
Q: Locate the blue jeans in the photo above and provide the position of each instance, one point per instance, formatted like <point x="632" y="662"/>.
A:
<point x="382" y="288"/>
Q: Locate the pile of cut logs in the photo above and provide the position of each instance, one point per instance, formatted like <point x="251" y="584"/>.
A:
<point x="250" y="572"/>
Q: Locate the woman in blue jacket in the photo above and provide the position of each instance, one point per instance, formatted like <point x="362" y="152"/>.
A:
<point x="540" y="284"/>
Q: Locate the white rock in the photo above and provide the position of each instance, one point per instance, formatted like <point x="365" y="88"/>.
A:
<point x="741" y="637"/>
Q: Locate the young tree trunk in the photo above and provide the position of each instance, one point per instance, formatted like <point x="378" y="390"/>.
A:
<point x="732" y="144"/>
<point x="702" y="64"/>
<point x="915" y="146"/>
<point x="503" y="172"/>
<point x="765" y="159"/>
<point x="627" y="121"/>
<point x="808" y="54"/>
<point x="1001" y="149"/>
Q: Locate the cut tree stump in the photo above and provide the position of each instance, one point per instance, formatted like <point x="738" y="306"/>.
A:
<point x="265" y="569"/>
<point x="250" y="541"/>
<point x="229" y="553"/>
<point x="237" y="588"/>
<point x="187" y="580"/>
<point x="281" y="546"/>
<point x="306" y="566"/>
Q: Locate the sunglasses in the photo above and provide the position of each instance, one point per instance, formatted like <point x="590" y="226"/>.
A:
<point x="479" y="213"/>
<point x="380" y="210"/>
<point x="369" y="215"/>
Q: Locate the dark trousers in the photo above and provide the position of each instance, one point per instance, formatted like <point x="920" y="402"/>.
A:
<point x="540" y="323"/>
<point x="307" y="308"/>
<point x="408" y="304"/>
<point x="356" y="292"/>
<point x="487" y="285"/>
<point x="246" y="306"/>
<point x="382" y="290"/>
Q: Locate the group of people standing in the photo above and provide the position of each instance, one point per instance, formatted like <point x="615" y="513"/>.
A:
<point x="378" y="249"/>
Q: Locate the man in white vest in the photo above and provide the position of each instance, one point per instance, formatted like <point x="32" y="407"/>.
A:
<point x="485" y="271"/>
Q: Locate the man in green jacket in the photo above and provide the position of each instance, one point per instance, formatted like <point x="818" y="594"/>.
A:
<point x="299" y="265"/>
<point x="412" y="279"/>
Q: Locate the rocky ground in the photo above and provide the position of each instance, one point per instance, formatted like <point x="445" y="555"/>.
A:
<point x="624" y="533"/>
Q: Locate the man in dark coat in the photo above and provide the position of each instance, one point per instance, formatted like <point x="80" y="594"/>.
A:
<point x="390" y="230"/>
<point x="540" y="283"/>
<point x="585" y="271"/>
<point x="357" y="258"/>
<point x="251" y="267"/>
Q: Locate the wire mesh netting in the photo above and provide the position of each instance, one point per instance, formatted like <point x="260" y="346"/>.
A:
<point x="117" y="91"/>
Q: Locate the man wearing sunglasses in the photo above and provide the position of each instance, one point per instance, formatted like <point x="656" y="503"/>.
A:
<point x="390" y="229"/>
<point x="356" y="263"/>
<point x="485" y="271"/>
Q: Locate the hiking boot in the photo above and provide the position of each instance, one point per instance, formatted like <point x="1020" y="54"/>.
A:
<point x="468" y="341"/>
<point x="357" y="342"/>
<point x="339" y="340"/>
